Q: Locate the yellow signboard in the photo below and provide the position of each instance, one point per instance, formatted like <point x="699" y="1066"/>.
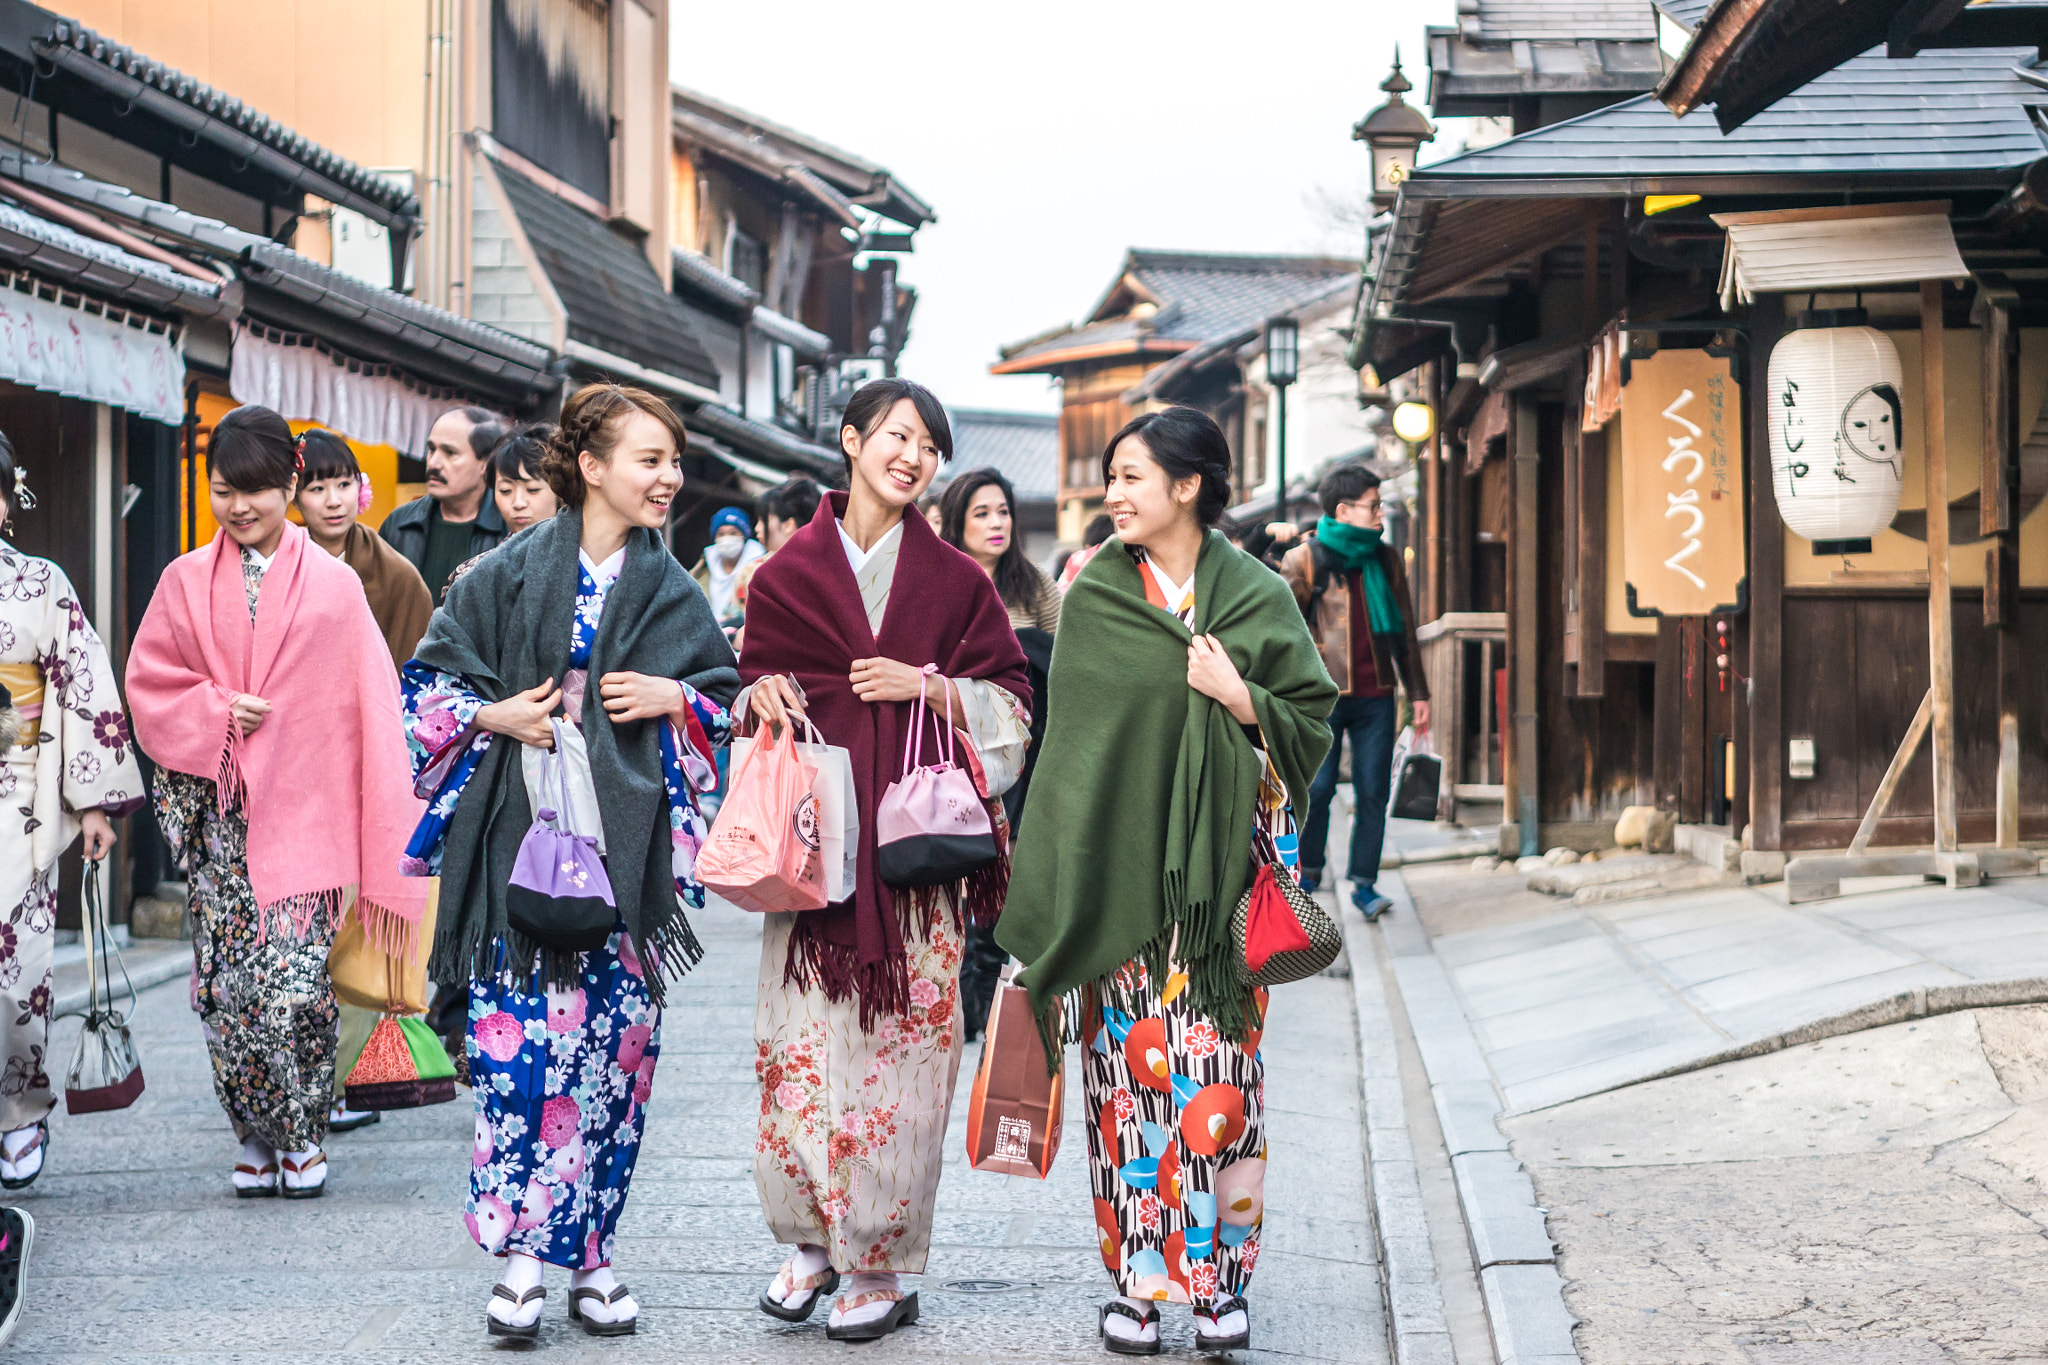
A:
<point x="1681" y="486"/>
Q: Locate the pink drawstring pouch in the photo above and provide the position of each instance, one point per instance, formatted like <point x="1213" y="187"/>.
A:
<point x="763" y="850"/>
<point x="931" y="828"/>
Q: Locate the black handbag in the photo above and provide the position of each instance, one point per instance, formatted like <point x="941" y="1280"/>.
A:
<point x="106" y="1072"/>
<point x="1416" y="787"/>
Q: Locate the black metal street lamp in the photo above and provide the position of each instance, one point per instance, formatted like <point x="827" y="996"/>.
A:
<point x="1283" y="367"/>
<point x="1394" y="132"/>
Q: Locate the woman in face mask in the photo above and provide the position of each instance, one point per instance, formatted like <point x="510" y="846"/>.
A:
<point x="732" y="548"/>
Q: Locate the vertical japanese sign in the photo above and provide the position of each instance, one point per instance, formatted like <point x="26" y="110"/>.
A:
<point x="1681" y="486"/>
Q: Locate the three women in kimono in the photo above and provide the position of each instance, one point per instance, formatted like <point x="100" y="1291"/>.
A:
<point x="584" y="633"/>
<point x="68" y="770"/>
<point x="857" y="1028"/>
<point x="264" y="691"/>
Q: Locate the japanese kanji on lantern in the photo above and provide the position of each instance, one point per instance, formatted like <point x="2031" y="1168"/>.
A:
<point x="1835" y="427"/>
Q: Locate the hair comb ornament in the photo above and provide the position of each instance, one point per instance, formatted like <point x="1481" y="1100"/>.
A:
<point x="299" y="453"/>
<point x="24" y="496"/>
<point x="365" y="495"/>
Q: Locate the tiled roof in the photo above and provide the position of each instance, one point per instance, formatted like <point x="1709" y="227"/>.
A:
<point x="56" y="253"/>
<point x="614" y="299"/>
<point x="1960" y="114"/>
<point x="1199" y="296"/>
<point x="133" y="78"/>
<point x="833" y="177"/>
<point x="1024" y="446"/>
<point x="1571" y="20"/>
<point x="473" y="346"/>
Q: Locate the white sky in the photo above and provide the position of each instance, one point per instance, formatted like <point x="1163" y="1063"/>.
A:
<point x="1051" y="136"/>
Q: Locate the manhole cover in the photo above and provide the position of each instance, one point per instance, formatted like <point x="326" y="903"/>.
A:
<point x="986" y="1286"/>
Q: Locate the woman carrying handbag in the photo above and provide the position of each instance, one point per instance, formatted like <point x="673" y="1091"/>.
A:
<point x="67" y="766"/>
<point x="857" y="1038"/>
<point x="1185" y="714"/>
<point x="574" y="688"/>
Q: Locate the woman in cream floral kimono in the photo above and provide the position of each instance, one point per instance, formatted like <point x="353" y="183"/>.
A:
<point x="73" y="768"/>
<point x="857" y="1031"/>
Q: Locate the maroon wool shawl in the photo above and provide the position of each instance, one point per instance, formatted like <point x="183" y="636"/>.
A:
<point x="804" y="617"/>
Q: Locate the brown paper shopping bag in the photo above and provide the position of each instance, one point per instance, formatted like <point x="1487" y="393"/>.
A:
<point x="1013" y="1114"/>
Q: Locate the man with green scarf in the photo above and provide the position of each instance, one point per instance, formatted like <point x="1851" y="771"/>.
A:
<point x="1354" y="592"/>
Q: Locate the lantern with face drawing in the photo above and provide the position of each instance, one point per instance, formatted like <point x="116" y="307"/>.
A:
<point x="1835" y="427"/>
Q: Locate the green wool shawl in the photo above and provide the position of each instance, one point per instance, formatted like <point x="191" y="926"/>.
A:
<point x="1137" y="834"/>
<point x="1358" y="548"/>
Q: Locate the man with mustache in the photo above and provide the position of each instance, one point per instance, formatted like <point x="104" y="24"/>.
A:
<point x="457" y="519"/>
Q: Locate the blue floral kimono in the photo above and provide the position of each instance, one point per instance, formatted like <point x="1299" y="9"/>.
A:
<point x="562" y="1077"/>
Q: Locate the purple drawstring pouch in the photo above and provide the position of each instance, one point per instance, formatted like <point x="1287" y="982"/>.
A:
<point x="560" y="895"/>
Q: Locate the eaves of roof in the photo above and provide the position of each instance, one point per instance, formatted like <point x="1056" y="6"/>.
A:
<point x="1048" y="361"/>
<point x="733" y="299"/>
<point x="200" y="112"/>
<point x="838" y="179"/>
<point x="783" y="449"/>
<point x="466" y="353"/>
<point x="1476" y="77"/>
<point x="58" y="254"/>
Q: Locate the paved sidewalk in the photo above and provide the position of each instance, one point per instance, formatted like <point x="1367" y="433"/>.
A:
<point x="1569" y="1002"/>
<point x="142" y="1255"/>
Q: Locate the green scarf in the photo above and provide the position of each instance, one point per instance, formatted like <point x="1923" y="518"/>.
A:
<point x="1138" y="827"/>
<point x="1358" y="547"/>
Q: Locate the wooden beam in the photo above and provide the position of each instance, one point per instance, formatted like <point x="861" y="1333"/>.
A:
<point x="1766" y="591"/>
<point x="1998" y="517"/>
<point x="1523" y="617"/>
<point x="1433" y="492"/>
<point x="1882" y="801"/>
<point x="1940" y="631"/>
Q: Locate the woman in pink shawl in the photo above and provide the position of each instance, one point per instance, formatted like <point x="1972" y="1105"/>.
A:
<point x="264" y="692"/>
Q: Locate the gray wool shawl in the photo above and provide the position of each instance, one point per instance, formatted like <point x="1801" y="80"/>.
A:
<point x="505" y="626"/>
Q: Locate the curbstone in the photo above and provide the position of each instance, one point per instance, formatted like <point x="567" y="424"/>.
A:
<point x="1465" y="1110"/>
<point x="1500" y="1210"/>
<point x="1416" y="1327"/>
<point x="1531" y="1323"/>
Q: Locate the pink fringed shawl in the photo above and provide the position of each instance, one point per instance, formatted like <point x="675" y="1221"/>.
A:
<point x="324" y="782"/>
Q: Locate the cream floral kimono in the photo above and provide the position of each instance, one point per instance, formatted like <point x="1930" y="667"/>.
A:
<point x="75" y="755"/>
<point x="853" y="1123"/>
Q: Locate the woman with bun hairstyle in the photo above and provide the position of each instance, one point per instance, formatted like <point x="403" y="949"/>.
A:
<point x="263" y="690"/>
<point x="333" y="492"/>
<point x="583" y="626"/>
<point x="1185" y="716"/>
<point x="857" y="1027"/>
<point x="67" y="767"/>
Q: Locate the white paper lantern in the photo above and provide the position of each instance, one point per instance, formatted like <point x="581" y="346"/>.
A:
<point x="1835" y="428"/>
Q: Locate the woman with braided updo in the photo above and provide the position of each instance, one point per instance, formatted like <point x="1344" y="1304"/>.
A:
<point x="581" y="632"/>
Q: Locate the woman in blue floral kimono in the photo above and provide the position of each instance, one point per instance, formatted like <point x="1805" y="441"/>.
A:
<point x="588" y="623"/>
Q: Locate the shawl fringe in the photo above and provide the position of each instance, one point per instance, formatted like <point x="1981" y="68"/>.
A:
<point x="672" y="951"/>
<point x="230" y="787"/>
<point x="300" y="911"/>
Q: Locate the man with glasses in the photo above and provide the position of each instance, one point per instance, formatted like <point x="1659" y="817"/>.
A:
<point x="1354" y="592"/>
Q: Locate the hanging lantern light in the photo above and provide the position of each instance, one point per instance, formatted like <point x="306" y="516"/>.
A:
<point x="1835" y="427"/>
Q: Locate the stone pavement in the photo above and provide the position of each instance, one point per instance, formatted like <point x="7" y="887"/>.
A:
<point x="142" y="1255"/>
<point x="1566" y="1002"/>
<point x="1870" y="1199"/>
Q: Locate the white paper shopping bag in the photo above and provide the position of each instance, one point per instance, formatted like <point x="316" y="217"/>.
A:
<point x="838" y="812"/>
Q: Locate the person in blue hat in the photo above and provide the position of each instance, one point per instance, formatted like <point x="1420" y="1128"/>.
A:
<point x="732" y="548"/>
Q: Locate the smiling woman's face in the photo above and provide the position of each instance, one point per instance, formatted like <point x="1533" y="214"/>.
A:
<point x="1142" y="499"/>
<point x="897" y="461"/>
<point x="255" y="519"/>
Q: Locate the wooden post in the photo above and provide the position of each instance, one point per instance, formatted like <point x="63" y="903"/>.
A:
<point x="1433" y="604"/>
<point x="1999" y="472"/>
<point x="1524" y="619"/>
<point x="1940" y="633"/>
<point x="1766" y="590"/>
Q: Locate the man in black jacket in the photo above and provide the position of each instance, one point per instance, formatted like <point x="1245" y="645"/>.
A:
<point x="458" y="518"/>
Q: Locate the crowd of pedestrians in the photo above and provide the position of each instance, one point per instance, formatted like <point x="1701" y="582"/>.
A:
<point x="340" y="720"/>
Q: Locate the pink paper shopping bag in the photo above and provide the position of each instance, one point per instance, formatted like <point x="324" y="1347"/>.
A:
<point x="763" y="853"/>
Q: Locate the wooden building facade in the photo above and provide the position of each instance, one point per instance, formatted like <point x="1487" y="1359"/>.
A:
<point x="1536" y="288"/>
